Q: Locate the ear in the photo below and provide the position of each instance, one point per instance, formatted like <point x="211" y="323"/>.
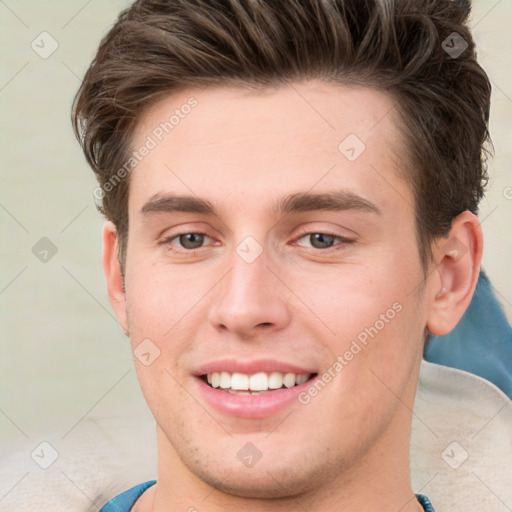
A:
<point x="458" y="258"/>
<point x="113" y="275"/>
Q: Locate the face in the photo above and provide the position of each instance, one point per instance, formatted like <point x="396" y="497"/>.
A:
<point x="272" y="245"/>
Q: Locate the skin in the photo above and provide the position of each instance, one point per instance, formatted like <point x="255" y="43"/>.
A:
<point x="348" y="448"/>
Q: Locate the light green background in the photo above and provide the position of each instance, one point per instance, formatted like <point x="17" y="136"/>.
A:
<point x="63" y="355"/>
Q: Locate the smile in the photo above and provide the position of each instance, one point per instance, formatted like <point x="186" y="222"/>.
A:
<point x="251" y="390"/>
<point x="256" y="383"/>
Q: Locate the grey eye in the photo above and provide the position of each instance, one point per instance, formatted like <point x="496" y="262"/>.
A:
<point x="321" y="240"/>
<point x="191" y="240"/>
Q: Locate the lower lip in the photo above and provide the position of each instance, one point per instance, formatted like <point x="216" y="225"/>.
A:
<point x="251" y="406"/>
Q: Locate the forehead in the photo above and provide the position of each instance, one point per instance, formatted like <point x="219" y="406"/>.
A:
<point x="293" y="138"/>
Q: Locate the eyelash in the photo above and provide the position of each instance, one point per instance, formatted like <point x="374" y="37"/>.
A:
<point x="343" y="241"/>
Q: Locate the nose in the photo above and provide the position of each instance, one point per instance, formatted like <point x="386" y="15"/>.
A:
<point x="250" y="300"/>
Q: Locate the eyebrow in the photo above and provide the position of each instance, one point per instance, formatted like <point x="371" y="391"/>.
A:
<point x="339" y="200"/>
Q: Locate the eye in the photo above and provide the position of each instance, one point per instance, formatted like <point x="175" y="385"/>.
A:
<point x="192" y="241"/>
<point x="189" y="241"/>
<point x="323" y="240"/>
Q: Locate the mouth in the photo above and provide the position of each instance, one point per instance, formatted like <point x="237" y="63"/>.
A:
<point x="254" y="384"/>
<point x="257" y="388"/>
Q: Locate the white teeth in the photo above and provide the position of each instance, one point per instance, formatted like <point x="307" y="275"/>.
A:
<point x="300" y="379"/>
<point x="275" y="380"/>
<point x="225" y="380"/>
<point x="258" y="382"/>
<point x="241" y="383"/>
<point x="289" y="380"/>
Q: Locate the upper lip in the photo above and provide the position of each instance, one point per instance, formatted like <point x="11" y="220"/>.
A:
<point x="250" y="367"/>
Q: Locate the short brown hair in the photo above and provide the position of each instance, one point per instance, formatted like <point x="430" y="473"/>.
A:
<point x="158" y="47"/>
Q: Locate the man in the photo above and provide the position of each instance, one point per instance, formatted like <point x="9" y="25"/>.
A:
<point x="291" y="190"/>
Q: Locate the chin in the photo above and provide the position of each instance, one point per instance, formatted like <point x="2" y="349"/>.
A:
<point x="261" y="484"/>
<point x="281" y="478"/>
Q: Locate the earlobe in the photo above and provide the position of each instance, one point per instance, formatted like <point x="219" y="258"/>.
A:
<point x="113" y="274"/>
<point x="458" y="258"/>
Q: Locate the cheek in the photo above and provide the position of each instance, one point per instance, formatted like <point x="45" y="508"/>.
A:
<point x="163" y="395"/>
<point x="377" y="319"/>
<point x="163" y="308"/>
<point x="384" y="358"/>
<point x="351" y="298"/>
<point x="160" y="297"/>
